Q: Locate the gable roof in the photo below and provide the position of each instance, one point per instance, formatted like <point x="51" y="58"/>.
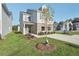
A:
<point x="43" y="7"/>
<point x="75" y="20"/>
<point x="6" y="9"/>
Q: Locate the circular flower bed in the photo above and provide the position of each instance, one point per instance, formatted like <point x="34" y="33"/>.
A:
<point x="47" y="47"/>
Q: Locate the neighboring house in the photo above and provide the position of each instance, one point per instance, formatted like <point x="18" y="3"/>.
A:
<point x="55" y="25"/>
<point x="5" y="20"/>
<point x="32" y="21"/>
<point x="67" y="25"/>
<point x="60" y="26"/>
<point x="76" y="24"/>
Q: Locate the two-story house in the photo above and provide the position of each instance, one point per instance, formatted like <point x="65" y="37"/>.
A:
<point x="32" y="21"/>
<point x="67" y="25"/>
<point x="76" y="23"/>
<point x="5" y="20"/>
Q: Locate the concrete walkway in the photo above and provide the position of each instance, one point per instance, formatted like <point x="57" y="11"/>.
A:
<point x="68" y="38"/>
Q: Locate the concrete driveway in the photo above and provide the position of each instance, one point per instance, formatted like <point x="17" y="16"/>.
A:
<point x="68" y="38"/>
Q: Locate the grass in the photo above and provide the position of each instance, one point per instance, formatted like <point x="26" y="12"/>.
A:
<point x="16" y="44"/>
<point x="68" y="33"/>
<point x="74" y="33"/>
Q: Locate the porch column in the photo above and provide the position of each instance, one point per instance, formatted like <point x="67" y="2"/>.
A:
<point x="27" y="30"/>
<point x="24" y="30"/>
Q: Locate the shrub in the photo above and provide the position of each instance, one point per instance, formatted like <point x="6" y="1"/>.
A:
<point x="15" y="27"/>
<point x="41" y="33"/>
<point x="51" y="32"/>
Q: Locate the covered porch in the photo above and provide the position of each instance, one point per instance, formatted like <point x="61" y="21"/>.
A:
<point x="27" y="27"/>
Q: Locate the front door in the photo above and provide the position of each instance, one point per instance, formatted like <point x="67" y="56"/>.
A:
<point x="29" y="29"/>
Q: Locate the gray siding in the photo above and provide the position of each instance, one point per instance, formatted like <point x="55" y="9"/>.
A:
<point x="21" y="22"/>
<point x="0" y="20"/>
<point x="6" y="23"/>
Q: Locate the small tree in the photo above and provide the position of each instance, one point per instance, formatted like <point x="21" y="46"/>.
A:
<point x="48" y="14"/>
<point x="15" y="27"/>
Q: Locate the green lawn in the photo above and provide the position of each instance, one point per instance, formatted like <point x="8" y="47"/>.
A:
<point x="69" y="33"/>
<point x="74" y="33"/>
<point x="17" y="44"/>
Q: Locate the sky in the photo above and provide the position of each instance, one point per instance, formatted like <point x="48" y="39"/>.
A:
<point x="62" y="11"/>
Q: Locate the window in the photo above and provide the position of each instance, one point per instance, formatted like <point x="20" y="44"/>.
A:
<point x="42" y="28"/>
<point x="49" y="28"/>
<point x="40" y="15"/>
<point x="29" y="18"/>
<point x="25" y="18"/>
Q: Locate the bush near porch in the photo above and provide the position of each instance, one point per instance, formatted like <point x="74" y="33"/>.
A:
<point x="43" y="33"/>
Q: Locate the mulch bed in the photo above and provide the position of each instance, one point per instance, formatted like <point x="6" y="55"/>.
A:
<point x="47" y="47"/>
<point x="29" y="36"/>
